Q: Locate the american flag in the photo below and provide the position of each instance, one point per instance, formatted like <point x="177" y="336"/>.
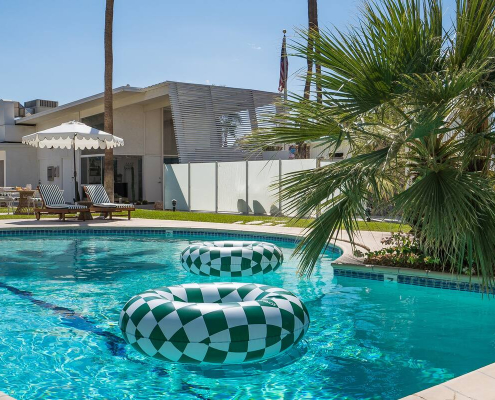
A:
<point x="284" y="66"/>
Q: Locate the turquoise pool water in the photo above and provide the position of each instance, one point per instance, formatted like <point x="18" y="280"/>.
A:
<point x="60" y="300"/>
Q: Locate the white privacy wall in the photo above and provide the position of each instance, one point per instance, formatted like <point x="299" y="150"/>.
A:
<point x="176" y="186"/>
<point x="261" y="198"/>
<point x="230" y="187"/>
<point x="289" y="166"/>
<point x="202" y="186"/>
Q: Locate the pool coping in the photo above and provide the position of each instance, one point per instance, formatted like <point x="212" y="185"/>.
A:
<point x="476" y="383"/>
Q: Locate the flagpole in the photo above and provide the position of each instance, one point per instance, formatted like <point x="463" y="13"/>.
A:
<point x="286" y="69"/>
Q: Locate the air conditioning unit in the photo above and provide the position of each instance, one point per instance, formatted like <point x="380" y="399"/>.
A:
<point x="40" y="105"/>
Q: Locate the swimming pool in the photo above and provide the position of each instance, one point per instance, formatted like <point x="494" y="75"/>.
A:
<point x="59" y="338"/>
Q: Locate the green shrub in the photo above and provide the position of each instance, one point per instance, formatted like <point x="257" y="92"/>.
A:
<point x="402" y="250"/>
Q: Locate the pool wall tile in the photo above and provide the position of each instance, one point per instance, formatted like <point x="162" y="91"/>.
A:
<point x="358" y="274"/>
<point x="412" y="280"/>
<point x="377" y="273"/>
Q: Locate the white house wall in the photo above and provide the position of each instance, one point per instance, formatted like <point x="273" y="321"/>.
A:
<point x="153" y="132"/>
<point x="21" y="164"/>
<point x="129" y="124"/>
<point x="14" y="133"/>
<point x="63" y="159"/>
<point x="152" y="178"/>
<point x="153" y="158"/>
<point x="142" y="134"/>
<point x="66" y="117"/>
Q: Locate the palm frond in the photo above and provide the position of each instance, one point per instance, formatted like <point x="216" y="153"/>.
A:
<point x="449" y="208"/>
<point x="413" y="101"/>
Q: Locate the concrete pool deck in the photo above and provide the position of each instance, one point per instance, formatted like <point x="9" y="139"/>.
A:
<point x="476" y="385"/>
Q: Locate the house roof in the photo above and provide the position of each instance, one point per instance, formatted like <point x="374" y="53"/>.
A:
<point x="33" y="119"/>
<point x="139" y="95"/>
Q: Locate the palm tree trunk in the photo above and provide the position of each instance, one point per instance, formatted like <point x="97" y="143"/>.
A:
<point x="108" y="97"/>
<point x="312" y="30"/>
<point x="302" y="148"/>
<point x="313" y="24"/>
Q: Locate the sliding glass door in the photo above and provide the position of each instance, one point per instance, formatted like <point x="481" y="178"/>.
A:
<point x="128" y="173"/>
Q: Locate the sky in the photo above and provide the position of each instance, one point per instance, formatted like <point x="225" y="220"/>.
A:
<point x="53" y="49"/>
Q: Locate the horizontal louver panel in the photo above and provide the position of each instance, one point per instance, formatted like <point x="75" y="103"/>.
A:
<point x="209" y="121"/>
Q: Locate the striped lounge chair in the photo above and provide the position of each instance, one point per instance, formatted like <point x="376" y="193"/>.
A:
<point x="101" y="203"/>
<point x="53" y="202"/>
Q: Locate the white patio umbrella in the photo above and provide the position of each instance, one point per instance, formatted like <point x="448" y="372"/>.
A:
<point x="75" y="135"/>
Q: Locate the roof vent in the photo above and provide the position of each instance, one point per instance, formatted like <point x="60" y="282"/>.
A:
<point x="38" y="105"/>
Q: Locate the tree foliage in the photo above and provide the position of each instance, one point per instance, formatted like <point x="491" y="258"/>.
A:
<point x="414" y="101"/>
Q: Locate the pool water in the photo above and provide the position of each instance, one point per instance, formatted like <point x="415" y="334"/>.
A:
<point x="60" y="301"/>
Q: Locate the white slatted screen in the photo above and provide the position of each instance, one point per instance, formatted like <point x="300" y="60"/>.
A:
<point x="210" y="120"/>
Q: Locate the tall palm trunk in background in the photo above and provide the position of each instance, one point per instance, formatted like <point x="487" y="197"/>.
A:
<point x="108" y="97"/>
<point x="313" y="30"/>
<point x="302" y="148"/>
<point x="313" y="25"/>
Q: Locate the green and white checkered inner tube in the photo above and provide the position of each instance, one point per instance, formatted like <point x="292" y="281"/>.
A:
<point x="221" y="323"/>
<point x="231" y="258"/>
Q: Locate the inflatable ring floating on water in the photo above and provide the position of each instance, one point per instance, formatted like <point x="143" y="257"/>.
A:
<point x="222" y="323"/>
<point x="231" y="258"/>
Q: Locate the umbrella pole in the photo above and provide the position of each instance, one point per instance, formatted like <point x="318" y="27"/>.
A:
<point x="76" y="186"/>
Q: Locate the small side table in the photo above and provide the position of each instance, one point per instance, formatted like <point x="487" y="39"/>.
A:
<point x="86" y="214"/>
<point x="23" y="205"/>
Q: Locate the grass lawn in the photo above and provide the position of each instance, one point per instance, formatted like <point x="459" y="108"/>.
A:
<point x="230" y="218"/>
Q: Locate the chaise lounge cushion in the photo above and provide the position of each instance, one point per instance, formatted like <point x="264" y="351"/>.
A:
<point x="53" y="198"/>
<point x="98" y="195"/>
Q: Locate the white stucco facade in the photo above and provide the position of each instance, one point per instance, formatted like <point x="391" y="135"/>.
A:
<point x="138" y="119"/>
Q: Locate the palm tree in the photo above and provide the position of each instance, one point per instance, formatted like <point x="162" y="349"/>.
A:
<point x="108" y="97"/>
<point x="313" y="30"/>
<point x="414" y="101"/>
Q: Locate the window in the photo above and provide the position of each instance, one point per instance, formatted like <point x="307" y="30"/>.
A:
<point x="92" y="170"/>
